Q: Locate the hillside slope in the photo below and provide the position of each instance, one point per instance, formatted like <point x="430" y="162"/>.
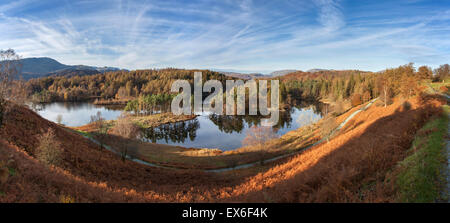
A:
<point x="353" y="167"/>
<point x="85" y="161"/>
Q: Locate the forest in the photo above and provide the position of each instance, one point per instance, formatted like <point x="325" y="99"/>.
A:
<point x="354" y="85"/>
<point x="352" y="166"/>
<point x="117" y="85"/>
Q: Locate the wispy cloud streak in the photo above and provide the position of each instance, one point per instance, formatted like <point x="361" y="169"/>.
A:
<point x="231" y="34"/>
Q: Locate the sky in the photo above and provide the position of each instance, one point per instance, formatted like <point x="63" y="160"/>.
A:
<point x="243" y="36"/>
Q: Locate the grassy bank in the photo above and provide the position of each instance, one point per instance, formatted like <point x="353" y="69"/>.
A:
<point x="147" y="121"/>
<point x="421" y="177"/>
<point x="440" y="86"/>
<point x="209" y="158"/>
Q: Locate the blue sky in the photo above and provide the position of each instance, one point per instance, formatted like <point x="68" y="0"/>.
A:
<point x="248" y="35"/>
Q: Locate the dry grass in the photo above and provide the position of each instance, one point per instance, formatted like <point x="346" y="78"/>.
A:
<point x="146" y="121"/>
<point x="207" y="158"/>
<point x="353" y="167"/>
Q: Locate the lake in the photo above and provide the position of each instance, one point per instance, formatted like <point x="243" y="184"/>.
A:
<point x="205" y="131"/>
<point x="75" y="113"/>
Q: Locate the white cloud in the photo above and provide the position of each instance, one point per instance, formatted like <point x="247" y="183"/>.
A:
<point x="244" y="35"/>
<point x="330" y="15"/>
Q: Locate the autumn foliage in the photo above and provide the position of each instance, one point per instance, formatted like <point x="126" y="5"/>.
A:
<point x="352" y="167"/>
<point x="356" y="100"/>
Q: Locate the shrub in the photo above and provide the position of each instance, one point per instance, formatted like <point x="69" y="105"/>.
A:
<point x="49" y="150"/>
<point x="406" y="106"/>
<point x="356" y="100"/>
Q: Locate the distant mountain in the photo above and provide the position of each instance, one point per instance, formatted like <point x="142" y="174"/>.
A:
<point x="281" y="72"/>
<point x="43" y="66"/>
<point x="317" y="70"/>
<point x="243" y="76"/>
<point x="249" y="76"/>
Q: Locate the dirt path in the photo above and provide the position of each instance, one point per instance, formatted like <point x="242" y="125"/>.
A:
<point x="254" y="163"/>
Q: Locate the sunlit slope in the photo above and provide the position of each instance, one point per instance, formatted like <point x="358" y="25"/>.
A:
<point x="352" y="167"/>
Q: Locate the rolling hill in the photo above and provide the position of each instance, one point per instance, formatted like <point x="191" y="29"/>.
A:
<point x="352" y="167"/>
<point x="44" y="66"/>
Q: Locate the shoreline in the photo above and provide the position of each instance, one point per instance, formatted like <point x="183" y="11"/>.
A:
<point x="216" y="160"/>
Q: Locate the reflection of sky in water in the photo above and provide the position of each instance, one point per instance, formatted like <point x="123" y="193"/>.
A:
<point x="208" y="135"/>
<point x="75" y="114"/>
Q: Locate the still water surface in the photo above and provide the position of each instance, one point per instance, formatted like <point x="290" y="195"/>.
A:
<point x="205" y="131"/>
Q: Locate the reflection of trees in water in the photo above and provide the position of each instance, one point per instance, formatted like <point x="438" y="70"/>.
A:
<point x="111" y="107"/>
<point x="285" y="120"/>
<point x="36" y="107"/>
<point x="316" y="106"/>
<point x="69" y="106"/>
<point x="228" y="123"/>
<point x="178" y="132"/>
<point x="173" y="132"/>
<point x="236" y="123"/>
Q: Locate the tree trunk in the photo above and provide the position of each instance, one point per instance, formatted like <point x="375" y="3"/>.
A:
<point x="385" y="98"/>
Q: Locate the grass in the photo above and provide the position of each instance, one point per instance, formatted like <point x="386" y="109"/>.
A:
<point x="149" y="121"/>
<point x="193" y="158"/>
<point x="144" y="122"/>
<point x="420" y="177"/>
<point x="437" y="85"/>
<point x="84" y="133"/>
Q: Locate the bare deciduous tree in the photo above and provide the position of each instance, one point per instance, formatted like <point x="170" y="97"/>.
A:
<point x="49" y="150"/>
<point x="99" y="123"/>
<point x="128" y="130"/>
<point x="9" y="71"/>
<point x="384" y="87"/>
<point x="258" y="136"/>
